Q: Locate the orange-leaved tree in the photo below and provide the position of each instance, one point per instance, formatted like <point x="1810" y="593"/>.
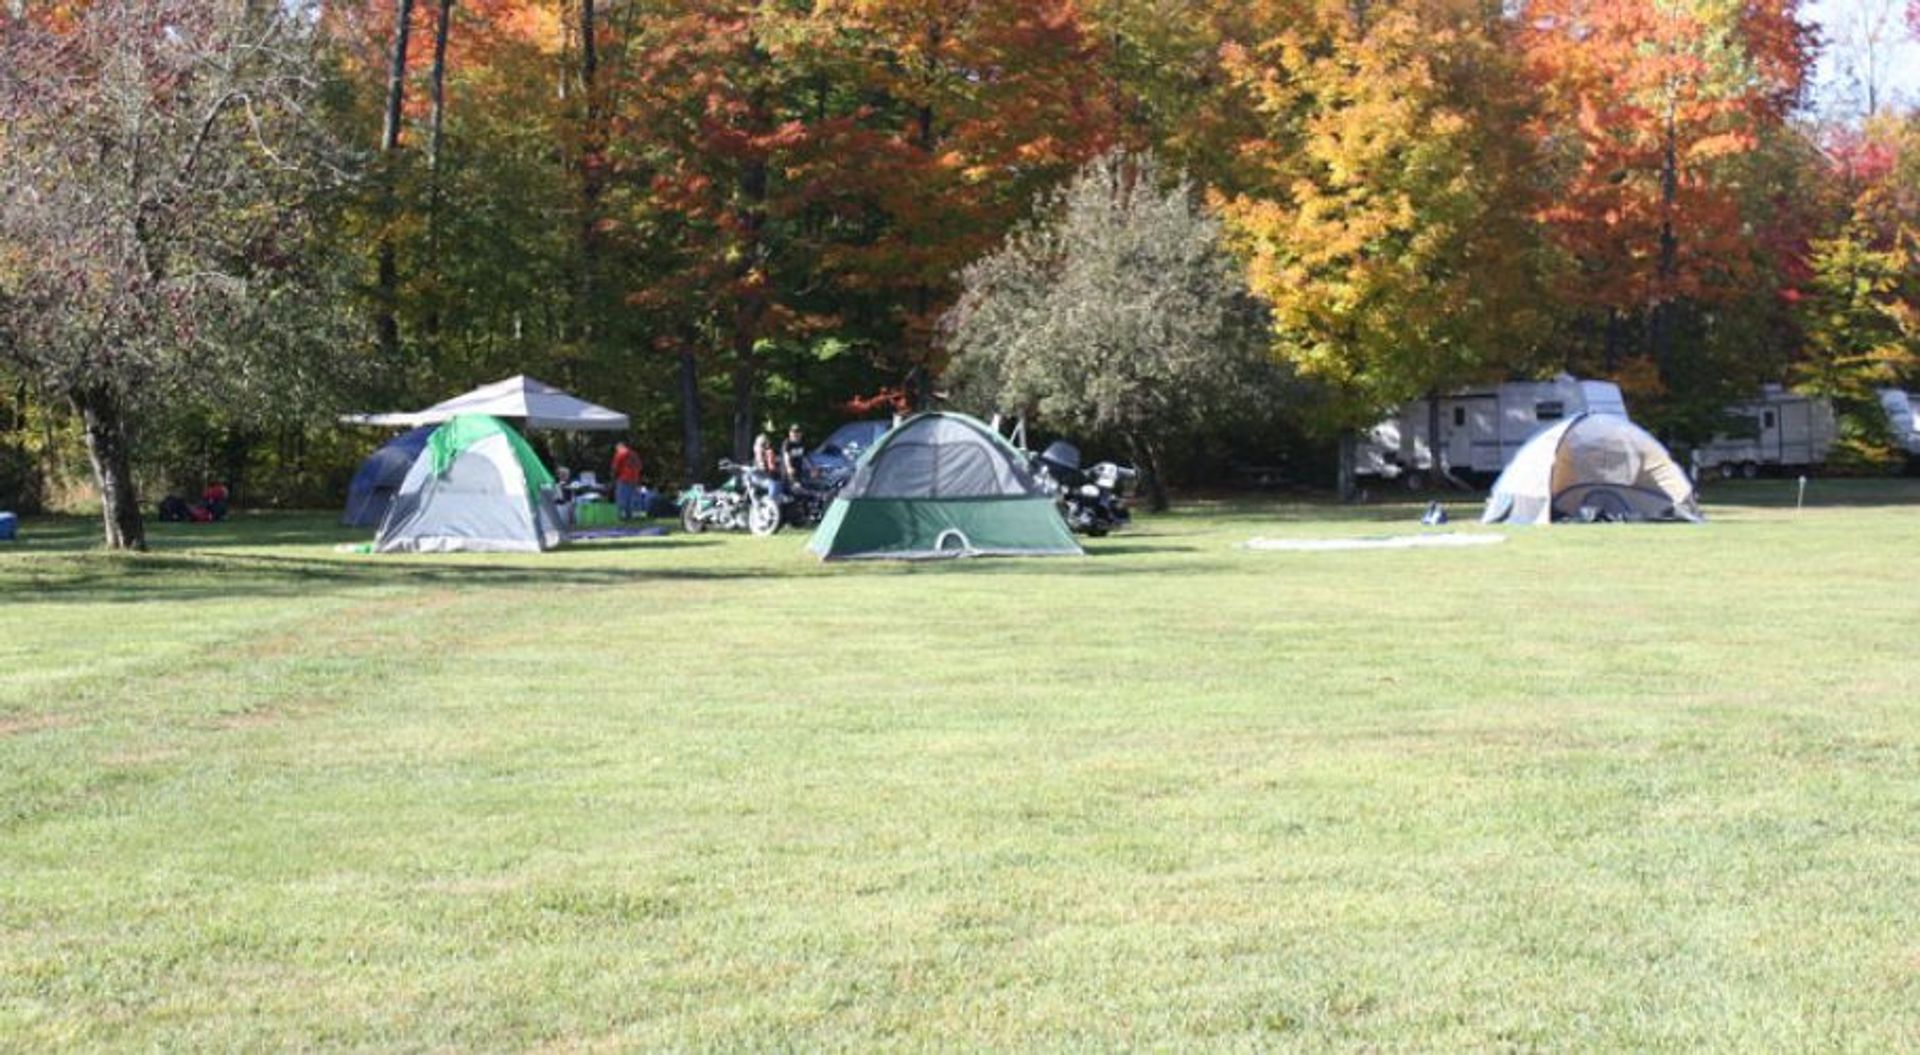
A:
<point x="1650" y="110"/>
<point x="970" y="108"/>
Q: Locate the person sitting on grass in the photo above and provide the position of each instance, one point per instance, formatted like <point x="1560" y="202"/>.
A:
<point x="214" y="500"/>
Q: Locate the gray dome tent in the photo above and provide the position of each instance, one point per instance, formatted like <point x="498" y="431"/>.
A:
<point x="477" y="487"/>
<point x="942" y="485"/>
<point x="1592" y="467"/>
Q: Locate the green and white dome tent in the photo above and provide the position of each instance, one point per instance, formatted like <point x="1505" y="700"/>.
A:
<point x="476" y="487"/>
<point x="942" y="485"/>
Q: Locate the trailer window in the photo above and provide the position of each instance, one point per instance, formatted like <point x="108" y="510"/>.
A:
<point x="1459" y="417"/>
<point x="1742" y="427"/>
<point x="1769" y="421"/>
<point x="1551" y="410"/>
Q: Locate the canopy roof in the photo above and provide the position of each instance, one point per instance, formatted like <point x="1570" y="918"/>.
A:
<point x="536" y="404"/>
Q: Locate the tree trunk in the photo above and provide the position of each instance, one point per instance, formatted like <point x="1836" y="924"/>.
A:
<point x="106" y="431"/>
<point x="1436" y="449"/>
<point x="690" y="446"/>
<point x="592" y="148"/>
<point x="235" y="445"/>
<point x="388" y="323"/>
<point x="752" y="295"/>
<point x="397" y="75"/>
<point x="743" y="378"/>
<point x="1669" y="250"/>
<point x="1147" y="453"/>
<point x="1610" y="358"/>
<point x="436" y="132"/>
<point x="438" y="85"/>
<point x="1349" y="449"/>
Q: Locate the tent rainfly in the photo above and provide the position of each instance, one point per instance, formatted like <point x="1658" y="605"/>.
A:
<point x="379" y="477"/>
<point x="534" y="404"/>
<point x="476" y="487"/>
<point x="1592" y="467"/>
<point x="942" y="485"/>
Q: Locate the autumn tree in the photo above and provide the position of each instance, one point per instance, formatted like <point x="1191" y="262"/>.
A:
<point x="968" y="108"/>
<point x="1651" y="110"/>
<point x="1390" y="229"/>
<point x="1860" y="309"/>
<point x="1116" y="312"/>
<point x="159" y="201"/>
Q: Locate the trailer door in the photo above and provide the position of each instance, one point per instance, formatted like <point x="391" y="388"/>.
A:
<point x="1473" y="441"/>
<point x="1795" y="433"/>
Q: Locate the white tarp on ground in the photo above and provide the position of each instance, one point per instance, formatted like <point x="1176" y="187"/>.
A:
<point x="1316" y="545"/>
<point x="534" y="404"/>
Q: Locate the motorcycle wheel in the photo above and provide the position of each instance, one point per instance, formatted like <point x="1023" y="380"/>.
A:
<point x="690" y="521"/>
<point x="1096" y="532"/>
<point x="763" y="517"/>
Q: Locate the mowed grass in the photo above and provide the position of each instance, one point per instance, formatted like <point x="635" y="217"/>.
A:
<point x="1595" y="788"/>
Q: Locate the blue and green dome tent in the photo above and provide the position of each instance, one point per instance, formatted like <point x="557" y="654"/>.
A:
<point x="475" y="487"/>
<point x="942" y="485"/>
<point x="379" y="478"/>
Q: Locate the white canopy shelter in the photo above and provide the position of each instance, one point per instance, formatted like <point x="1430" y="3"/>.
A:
<point x="534" y="404"/>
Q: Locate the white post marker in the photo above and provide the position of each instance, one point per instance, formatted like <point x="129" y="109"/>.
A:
<point x="1801" y="502"/>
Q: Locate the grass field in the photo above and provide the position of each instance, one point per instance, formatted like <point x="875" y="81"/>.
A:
<point x="1596" y="788"/>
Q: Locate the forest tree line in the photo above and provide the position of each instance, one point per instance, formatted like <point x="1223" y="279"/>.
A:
<point x="225" y="222"/>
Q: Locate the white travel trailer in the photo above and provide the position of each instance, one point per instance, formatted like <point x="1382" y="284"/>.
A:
<point x="1480" y="429"/>
<point x="1903" y="416"/>
<point x="1778" y="430"/>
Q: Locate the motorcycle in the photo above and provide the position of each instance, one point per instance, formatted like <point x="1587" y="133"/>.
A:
<point x="1091" y="500"/>
<point x="744" y="503"/>
<point x="805" y="505"/>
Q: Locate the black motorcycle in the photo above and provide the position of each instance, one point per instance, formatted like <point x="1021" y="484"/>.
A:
<point x="1092" y="500"/>
<point x="804" y="504"/>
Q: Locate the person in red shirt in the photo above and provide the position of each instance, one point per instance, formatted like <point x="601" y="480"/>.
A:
<point x="626" y="480"/>
<point x="214" y="500"/>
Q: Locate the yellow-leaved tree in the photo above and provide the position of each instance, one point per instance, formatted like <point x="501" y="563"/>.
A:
<point x="1392" y="236"/>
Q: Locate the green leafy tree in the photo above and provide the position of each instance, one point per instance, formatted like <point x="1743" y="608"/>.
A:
<point x="1861" y="328"/>
<point x="161" y="200"/>
<point x="1117" y="311"/>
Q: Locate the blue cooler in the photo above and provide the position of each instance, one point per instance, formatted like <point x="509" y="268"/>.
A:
<point x="8" y="525"/>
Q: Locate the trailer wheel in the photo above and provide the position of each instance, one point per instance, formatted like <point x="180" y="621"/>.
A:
<point x="1728" y="470"/>
<point x="1749" y="469"/>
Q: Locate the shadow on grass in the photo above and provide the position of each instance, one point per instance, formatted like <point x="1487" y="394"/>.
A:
<point x="107" y="578"/>
<point x="100" y="578"/>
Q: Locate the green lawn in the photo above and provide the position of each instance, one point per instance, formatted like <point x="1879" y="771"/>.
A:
<point x="1596" y="788"/>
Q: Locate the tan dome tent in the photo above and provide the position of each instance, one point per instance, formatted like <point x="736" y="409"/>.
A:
<point x="1592" y="467"/>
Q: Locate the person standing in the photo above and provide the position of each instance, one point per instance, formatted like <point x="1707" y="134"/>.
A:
<point x="793" y="458"/>
<point x="626" y="480"/>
